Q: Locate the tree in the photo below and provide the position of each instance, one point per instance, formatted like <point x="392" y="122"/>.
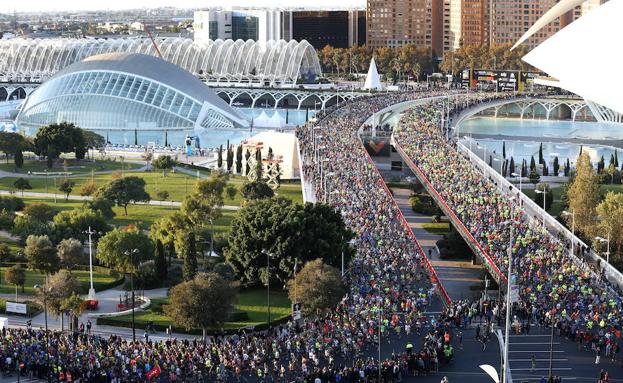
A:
<point x="206" y="200"/>
<point x="534" y="177"/>
<point x="66" y="187"/>
<point x="102" y="206"/>
<point x="25" y="226"/>
<point x="219" y="161"/>
<point x="556" y="167"/>
<point x="584" y="195"/>
<point x="511" y="166"/>
<point x="524" y="168"/>
<point x="247" y="155"/>
<point x="60" y="286"/>
<point x="204" y="302"/>
<point x="160" y="261"/>
<point x="112" y="249"/>
<point x="12" y="143"/>
<point x="610" y="212"/>
<point x="70" y="252"/>
<point x="15" y="275"/>
<point x="164" y="163"/>
<point x="163" y="195"/>
<point x="256" y="190"/>
<point x="230" y="159"/>
<point x="549" y="195"/>
<point x="504" y="149"/>
<point x="318" y="286"/>
<point x="74" y="223"/>
<point x="39" y="211"/>
<point x="22" y="184"/>
<point x="93" y="140"/>
<point x="532" y="164"/>
<point x="74" y="306"/>
<point x="124" y="191"/>
<point x="19" y="159"/>
<point x="258" y="167"/>
<point x="239" y="159"/>
<point x="567" y="168"/>
<point x="541" y="159"/>
<point x="186" y="248"/>
<point x="41" y="254"/>
<point x="231" y="191"/>
<point x="287" y="231"/>
<point x="52" y="140"/>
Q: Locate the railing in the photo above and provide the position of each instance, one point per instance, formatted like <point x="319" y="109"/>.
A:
<point x="458" y="224"/>
<point x="507" y="188"/>
<point x="434" y="277"/>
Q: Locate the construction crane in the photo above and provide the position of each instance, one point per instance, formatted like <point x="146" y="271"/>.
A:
<point x="151" y="37"/>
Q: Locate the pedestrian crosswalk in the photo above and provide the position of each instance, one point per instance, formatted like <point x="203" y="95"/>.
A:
<point x="536" y="356"/>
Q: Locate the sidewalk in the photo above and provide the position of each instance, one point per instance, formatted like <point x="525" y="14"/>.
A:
<point x="457" y="276"/>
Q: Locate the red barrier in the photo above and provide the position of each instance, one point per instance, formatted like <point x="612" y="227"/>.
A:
<point x="422" y="177"/>
<point x="431" y="269"/>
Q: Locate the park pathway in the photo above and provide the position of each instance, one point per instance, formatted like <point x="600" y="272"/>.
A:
<point x="457" y="276"/>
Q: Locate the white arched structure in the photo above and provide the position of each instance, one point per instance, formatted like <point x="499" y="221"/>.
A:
<point x="222" y="61"/>
<point x="570" y="56"/>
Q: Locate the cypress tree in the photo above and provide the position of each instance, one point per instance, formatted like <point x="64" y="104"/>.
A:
<point x="189" y="269"/>
<point x="258" y="157"/>
<point x="541" y="159"/>
<point x="512" y="166"/>
<point x="160" y="261"/>
<point x="219" y="162"/>
<point x="247" y="155"/>
<point x="490" y="160"/>
<point x="556" y="166"/>
<point x="601" y="165"/>
<point x="532" y="164"/>
<point x="504" y="149"/>
<point x="567" y="168"/>
<point x="616" y="159"/>
<point x="545" y="170"/>
<point x="230" y="159"/>
<point x="19" y="159"/>
<point x="524" y="168"/>
<point x="239" y="159"/>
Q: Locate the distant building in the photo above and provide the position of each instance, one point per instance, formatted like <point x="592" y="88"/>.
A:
<point x="339" y="27"/>
<point x="394" y="23"/>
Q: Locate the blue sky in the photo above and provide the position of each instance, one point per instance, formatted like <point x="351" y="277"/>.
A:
<point x="8" y="6"/>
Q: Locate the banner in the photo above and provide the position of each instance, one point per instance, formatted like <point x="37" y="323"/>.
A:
<point x="18" y="308"/>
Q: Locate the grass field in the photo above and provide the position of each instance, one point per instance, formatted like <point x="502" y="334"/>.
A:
<point x="100" y="281"/>
<point x="141" y="215"/>
<point x="73" y="166"/>
<point x="253" y="302"/>
<point x="178" y="185"/>
<point x="437" y="228"/>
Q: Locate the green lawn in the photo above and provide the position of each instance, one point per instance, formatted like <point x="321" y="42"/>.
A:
<point x="178" y="185"/>
<point x="101" y="281"/>
<point x="253" y="302"/>
<point x="73" y="166"/>
<point x="437" y="228"/>
<point x="141" y="215"/>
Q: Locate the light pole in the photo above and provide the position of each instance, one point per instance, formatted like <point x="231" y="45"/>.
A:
<point x="268" y="255"/>
<point x="47" y="339"/>
<point x="544" y="192"/>
<point x="131" y="254"/>
<point x="607" y="240"/>
<point x="508" y="298"/>
<point x="90" y="232"/>
<point x="572" y="214"/>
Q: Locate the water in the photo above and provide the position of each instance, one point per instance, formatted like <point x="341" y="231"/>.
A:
<point x="521" y="150"/>
<point x="542" y="128"/>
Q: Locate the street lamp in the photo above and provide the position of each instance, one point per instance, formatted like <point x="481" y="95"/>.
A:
<point x="572" y="214"/>
<point x="90" y="232"/>
<point x="268" y="255"/>
<point x="607" y="240"/>
<point x="47" y="339"/>
<point x="131" y="254"/>
<point x="544" y="192"/>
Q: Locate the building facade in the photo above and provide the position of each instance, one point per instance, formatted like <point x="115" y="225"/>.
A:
<point x="340" y="29"/>
<point x="256" y="24"/>
<point x="394" y="23"/>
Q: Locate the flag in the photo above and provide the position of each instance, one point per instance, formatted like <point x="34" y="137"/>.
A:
<point x="155" y="371"/>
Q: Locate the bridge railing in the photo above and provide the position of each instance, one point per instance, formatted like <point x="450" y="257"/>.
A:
<point x="488" y="262"/>
<point x="537" y="214"/>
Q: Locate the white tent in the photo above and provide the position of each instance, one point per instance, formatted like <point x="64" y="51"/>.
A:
<point x="372" y="79"/>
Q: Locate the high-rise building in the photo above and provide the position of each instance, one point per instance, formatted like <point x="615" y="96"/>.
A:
<point x="254" y="24"/>
<point x="340" y="29"/>
<point x="394" y="23"/>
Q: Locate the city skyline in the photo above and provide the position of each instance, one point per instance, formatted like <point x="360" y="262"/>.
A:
<point x="77" y="5"/>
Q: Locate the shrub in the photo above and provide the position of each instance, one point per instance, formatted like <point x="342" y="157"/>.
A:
<point x="88" y="188"/>
<point x="6" y="219"/>
<point x="40" y="212"/>
<point x="11" y="203"/>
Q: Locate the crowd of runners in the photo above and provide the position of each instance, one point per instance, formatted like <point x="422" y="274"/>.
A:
<point x="555" y="287"/>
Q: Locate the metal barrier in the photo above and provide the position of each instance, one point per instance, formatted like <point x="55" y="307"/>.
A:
<point x="458" y="224"/>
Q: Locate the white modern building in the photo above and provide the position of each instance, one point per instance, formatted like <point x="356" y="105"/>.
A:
<point x="256" y="24"/>
<point x="583" y="58"/>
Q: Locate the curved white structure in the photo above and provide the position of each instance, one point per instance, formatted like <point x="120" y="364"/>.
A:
<point x="227" y="61"/>
<point x="584" y="57"/>
<point x="122" y="91"/>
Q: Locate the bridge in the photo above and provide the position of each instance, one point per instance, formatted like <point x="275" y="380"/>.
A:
<point x="273" y="97"/>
